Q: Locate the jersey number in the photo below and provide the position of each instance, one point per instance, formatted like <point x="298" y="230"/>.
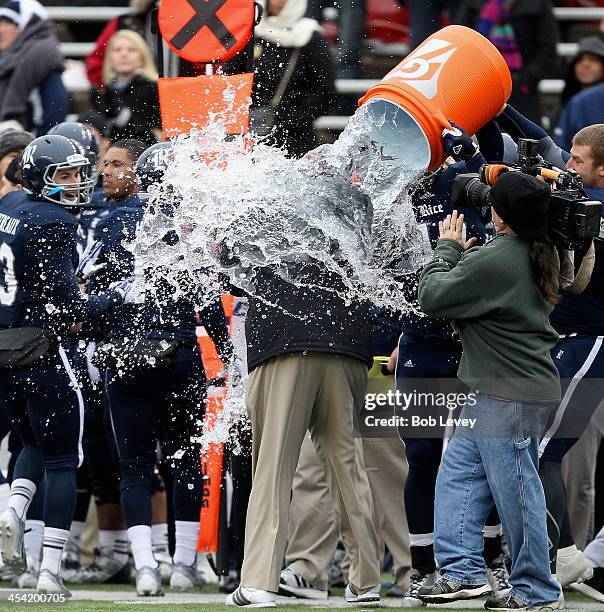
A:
<point x="8" y="281"/>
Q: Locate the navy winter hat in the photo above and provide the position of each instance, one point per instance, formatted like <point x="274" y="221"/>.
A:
<point x="522" y="202"/>
<point x="13" y="140"/>
<point x="21" y="12"/>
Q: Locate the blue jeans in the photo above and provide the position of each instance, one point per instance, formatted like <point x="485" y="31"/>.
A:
<point x="495" y="461"/>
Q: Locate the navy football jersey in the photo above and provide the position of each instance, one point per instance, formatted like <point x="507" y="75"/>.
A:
<point x="430" y="206"/>
<point x="38" y="257"/>
<point x="114" y="230"/>
<point x="164" y="310"/>
<point x="90" y="218"/>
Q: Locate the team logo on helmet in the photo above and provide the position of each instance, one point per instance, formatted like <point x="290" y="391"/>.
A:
<point x="27" y="157"/>
<point x="158" y="157"/>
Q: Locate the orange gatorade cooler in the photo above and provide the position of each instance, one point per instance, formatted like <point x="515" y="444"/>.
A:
<point x="454" y="75"/>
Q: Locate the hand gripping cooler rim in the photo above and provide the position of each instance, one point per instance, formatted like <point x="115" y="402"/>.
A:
<point x="409" y="98"/>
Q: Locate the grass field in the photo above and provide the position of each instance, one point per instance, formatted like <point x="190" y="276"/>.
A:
<point x="106" y="606"/>
<point x="209" y="599"/>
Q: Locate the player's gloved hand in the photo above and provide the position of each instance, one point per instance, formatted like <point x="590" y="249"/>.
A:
<point x="127" y="290"/>
<point x="88" y="265"/>
<point x="458" y="144"/>
<point x="235" y="371"/>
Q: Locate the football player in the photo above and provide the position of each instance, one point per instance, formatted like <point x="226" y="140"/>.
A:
<point x="155" y="382"/>
<point x="41" y="305"/>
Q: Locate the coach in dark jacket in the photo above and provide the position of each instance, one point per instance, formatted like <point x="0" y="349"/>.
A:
<point x="309" y="352"/>
<point x="306" y="318"/>
<point x="533" y="35"/>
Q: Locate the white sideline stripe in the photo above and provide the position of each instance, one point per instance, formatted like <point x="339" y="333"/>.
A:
<point x="78" y="392"/>
<point x="76" y="82"/>
<point x="106" y="384"/>
<point x="569" y="392"/>
<point x="551" y="86"/>
<point x="83" y="49"/>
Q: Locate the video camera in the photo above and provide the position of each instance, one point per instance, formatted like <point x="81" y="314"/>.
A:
<point x="573" y="217"/>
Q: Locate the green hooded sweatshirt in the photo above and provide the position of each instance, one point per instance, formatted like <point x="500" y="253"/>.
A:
<point x="490" y="294"/>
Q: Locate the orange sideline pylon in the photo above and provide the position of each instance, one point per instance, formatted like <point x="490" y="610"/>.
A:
<point x="211" y="461"/>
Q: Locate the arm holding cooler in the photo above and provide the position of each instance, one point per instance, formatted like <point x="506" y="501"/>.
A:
<point x="518" y="126"/>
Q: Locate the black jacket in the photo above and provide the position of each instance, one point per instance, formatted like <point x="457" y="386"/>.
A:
<point x="535" y="28"/>
<point x="290" y="319"/>
<point x="133" y="113"/>
<point x="309" y="94"/>
<point x="593" y="45"/>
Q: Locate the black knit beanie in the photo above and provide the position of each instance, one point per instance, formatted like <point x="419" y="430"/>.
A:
<point x="522" y="202"/>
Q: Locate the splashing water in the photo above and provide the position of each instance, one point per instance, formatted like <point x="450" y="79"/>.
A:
<point x="226" y="425"/>
<point x="345" y="206"/>
<point x="234" y="209"/>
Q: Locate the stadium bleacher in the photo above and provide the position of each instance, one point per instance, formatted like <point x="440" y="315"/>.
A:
<point x="77" y="83"/>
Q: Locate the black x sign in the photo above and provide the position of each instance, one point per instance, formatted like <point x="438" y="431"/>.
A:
<point x="205" y="15"/>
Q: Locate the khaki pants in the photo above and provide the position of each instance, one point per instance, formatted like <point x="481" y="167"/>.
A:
<point x="313" y="521"/>
<point x="387" y="472"/>
<point x="287" y="396"/>
<point x="579" y="473"/>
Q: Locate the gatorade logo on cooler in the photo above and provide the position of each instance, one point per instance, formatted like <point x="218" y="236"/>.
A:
<point x="423" y="67"/>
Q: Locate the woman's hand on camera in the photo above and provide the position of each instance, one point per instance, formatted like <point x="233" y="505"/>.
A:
<point x="452" y="228"/>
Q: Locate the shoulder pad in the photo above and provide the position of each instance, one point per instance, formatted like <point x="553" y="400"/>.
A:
<point x="45" y="213"/>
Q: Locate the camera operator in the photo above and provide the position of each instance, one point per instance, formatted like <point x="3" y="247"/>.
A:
<point x="499" y="297"/>
<point x="585" y="156"/>
<point x="428" y="349"/>
<point x="578" y="356"/>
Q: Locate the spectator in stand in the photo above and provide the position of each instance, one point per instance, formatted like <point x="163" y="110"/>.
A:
<point x="294" y="76"/>
<point x="31" y="89"/>
<point x="586" y="108"/>
<point x="129" y="98"/>
<point x="351" y="23"/>
<point x="525" y="33"/>
<point x="585" y="70"/>
<point x="139" y="20"/>
<point x="426" y="17"/>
